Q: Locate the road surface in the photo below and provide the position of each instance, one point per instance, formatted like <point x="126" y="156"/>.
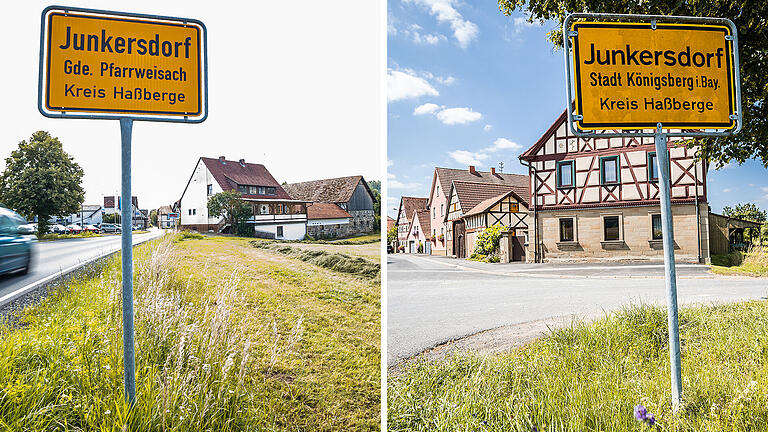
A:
<point x="52" y="257"/>
<point x="432" y="300"/>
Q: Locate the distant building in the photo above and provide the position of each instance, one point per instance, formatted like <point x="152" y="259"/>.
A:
<point x="351" y="194"/>
<point x="113" y="205"/>
<point x="419" y="234"/>
<point x="275" y="213"/>
<point x="89" y="214"/>
<point x="405" y="213"/>
<point x="167" y="218"/>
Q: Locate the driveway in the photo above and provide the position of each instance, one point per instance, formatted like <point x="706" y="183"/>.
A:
<point x="433" y="300"/>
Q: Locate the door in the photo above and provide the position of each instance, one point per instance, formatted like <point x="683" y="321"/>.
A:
<point x="518" y="250"/>
<point x="459" y="240"/>
<point x="411" y="249"/>
<point x="428" y="248"/>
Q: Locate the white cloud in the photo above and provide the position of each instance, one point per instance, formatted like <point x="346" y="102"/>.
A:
<point x="444" y="11"/>
<point x="727" y="190"/>
<point x="396" y="184"/>
<point x="451" y="116"/>
<point x="390" y="176"/>
<point x="390" y="162"/>
<point x="487" y="127"/>
<point x="467" y="157"/>
<point x="427" y="108"/>
<point x="521" y="23"/>
<point x="764" y="188"/>
<point x="445" y="80"/>
<point x="406" y="85"/>
<point x="503" y="144"/>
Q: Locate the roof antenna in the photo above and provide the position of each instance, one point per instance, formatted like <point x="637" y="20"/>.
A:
<point x="501" y="167"/>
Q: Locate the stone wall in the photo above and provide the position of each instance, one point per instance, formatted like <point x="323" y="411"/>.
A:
<point x="362" y="221"/>
<point x="635" y="235"/>
<point x="328" y="231"/>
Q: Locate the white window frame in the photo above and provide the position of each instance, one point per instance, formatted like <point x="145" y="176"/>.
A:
<point x="621" y="226"/>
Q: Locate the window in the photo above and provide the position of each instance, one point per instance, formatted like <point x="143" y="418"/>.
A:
<point x="514" y="208"/>
<point x="194" y="211"/>
<point x="433" y="212"/>
<point x="609" y="170"/>
<point x="656" y="231"/>
<point x="210" y="189"/>
<point x="653" y="167"/>
<point x="566" y="230"/>
<point x="279" y="231"/>
<point x="442" y="209"/>
<point x="566" y="177"/>
<point x="264" y="209"/>
<point x="611" y="229"/>
<point x="438" y="189"/>
<point x="190" y="211"/>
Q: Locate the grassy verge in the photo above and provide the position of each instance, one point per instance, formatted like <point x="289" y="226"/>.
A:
<point x="590" y="377"/>
<point x="228" y="338"/>
<point x="754" y="263"/>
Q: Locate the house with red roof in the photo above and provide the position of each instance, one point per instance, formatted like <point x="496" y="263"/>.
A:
<point x="408" y="205"/>
<point x="419" y="238"/>
<point x="327" y="220"/>
<point x="439" y="194"/>
<point x="275" y="213"/>
<point x="474" y="206"/>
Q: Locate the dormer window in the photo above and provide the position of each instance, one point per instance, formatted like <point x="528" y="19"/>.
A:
<point x="256" y="190"/>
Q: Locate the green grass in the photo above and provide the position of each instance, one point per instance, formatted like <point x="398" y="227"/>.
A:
<point x="588" y="377"/>
<point x="753" y="262"/>
<point x="228" y="338"/>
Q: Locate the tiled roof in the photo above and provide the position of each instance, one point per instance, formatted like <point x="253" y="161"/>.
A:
<point x="317" y="210"/>
<point x="229" y="174"/>
<point x="335" y="190"/>
<point x="472" y="193"/>
<point x="488" y="203"/>
<point x="164" y="210"/>
<point x="411" y="204"/>
<point x="424" y="221"/>
<point x="390" y="223"/>
<point x="448" y="175"/>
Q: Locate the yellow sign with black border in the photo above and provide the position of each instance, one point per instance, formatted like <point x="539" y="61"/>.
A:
<point x="636" y="75"/>
<point x="121" y="65"/>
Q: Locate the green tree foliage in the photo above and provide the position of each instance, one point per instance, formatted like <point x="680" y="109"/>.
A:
<point x="375" y="186"/>
<point x="392" y="235"/>
<point x="231" y="207"/>
<point x="749" y="17"/>
<point x="153" y="217"/>
<point x="41" y="179"/>
<point x="750" y="212"/>
<point x="110" y="218"/>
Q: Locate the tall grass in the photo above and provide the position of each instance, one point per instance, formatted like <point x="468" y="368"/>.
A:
<point x="335" y="261"/>
<point x="589" y="378"/>
<point x="753" y="262"/>
<point x="200" y="365"/>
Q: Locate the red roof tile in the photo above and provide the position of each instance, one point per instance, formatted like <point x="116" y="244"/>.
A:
<point x="410" y="204"/>
<point x="325" y="211"/>
<point x="471" y="194"/>
<point x="335" y="190"/>
<point x="448" y="175"/>
<point x="229" y="174"/>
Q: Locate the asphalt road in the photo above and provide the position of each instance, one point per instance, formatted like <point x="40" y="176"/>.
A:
<point x="432" y="300"/>
<point x="52" y="257"/>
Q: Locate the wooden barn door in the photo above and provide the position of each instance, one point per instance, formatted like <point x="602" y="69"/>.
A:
<point x="518" y="251"/>
<point x="459" y="240"/>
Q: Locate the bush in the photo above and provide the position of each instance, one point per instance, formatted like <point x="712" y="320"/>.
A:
<point x="189" y="235"/>
<point x="245" y="230"/>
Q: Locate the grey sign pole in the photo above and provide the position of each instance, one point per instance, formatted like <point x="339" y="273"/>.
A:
<point x="129" y="362"/>
<point x="670" y="274"/>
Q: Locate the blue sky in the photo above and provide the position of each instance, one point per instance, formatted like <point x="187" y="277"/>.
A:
<point x="468" y="85"/>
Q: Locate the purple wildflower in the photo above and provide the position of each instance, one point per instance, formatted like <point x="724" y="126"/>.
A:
<point x="650" y="419"/>
<point x="640" y="412"/>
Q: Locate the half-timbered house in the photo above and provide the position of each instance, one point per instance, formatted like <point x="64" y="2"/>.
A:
<point x="599" y="198"/>
<point x="438" y="197"/>
<point x="474" y="206"/>
<point x="419" y="235"/>
<point x="404" y="218"/>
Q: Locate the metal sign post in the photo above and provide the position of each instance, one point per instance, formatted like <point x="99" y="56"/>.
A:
<point x="640" y="73"/>
<point x="133" y="67"/>
<point x="129" y="361"/>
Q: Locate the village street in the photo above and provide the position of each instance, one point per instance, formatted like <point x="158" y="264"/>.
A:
<point x="432" y="300"/>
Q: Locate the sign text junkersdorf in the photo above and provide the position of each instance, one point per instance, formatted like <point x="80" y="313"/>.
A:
<point x="122" y="65"/>
<point x="631" y="76"/>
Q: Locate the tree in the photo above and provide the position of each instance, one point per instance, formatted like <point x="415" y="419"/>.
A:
<point x="109" y="218"/>
<point x="375" y="186"/>
<point x="231" y="207"/>
<point x="392" y="235"/>
<point x="42" y="180"/>
<point x="153" y="217"/>
<point x="752" y="27"/>
<point x="750" y="212"/>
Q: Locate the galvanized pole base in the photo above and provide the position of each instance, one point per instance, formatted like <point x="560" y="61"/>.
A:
<point x="129" y="363"/>
<point x="662" y="156"/>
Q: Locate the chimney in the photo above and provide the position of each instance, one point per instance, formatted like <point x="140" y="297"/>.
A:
<point x="493" y="170"/>
<point x="242" y="162"/>
<point x="472" y="170"/>
<point x="221" y="159"/>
